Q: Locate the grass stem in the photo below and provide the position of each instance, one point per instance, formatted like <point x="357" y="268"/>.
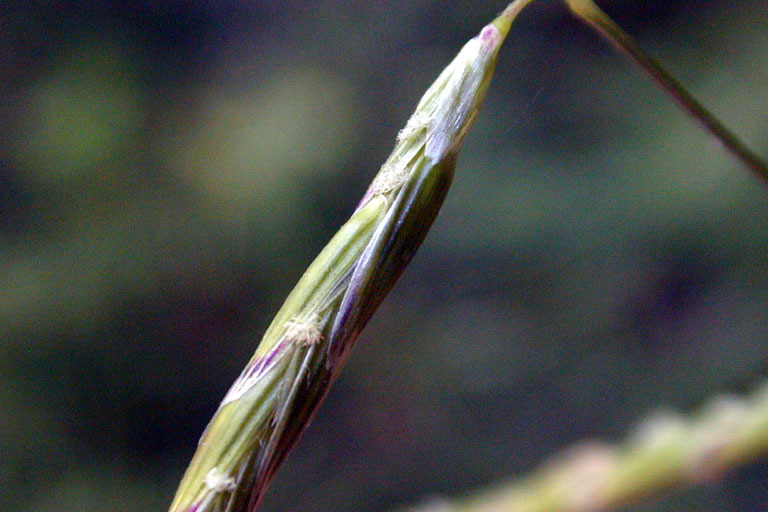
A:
<point x="591" y="14"/>
<point x="666" y="451"/>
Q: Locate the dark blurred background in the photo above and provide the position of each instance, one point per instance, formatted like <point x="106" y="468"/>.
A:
<point x="169" y="169"/>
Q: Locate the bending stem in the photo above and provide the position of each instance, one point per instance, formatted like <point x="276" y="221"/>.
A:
<point x="591" y="14"/>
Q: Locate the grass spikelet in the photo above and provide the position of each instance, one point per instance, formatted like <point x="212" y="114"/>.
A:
<point x="304" y="348"/>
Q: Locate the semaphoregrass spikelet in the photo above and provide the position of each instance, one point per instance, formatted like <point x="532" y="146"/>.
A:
<point x="304" y="348"/>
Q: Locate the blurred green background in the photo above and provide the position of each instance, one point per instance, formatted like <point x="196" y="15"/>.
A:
<point x="168" y="170"/>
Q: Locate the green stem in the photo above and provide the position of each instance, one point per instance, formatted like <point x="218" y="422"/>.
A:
<point x="668" y="450"/>
<point x="591" y="14"/>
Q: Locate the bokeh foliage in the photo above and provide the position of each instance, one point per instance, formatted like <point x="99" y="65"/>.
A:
<point x="168" y="171"/>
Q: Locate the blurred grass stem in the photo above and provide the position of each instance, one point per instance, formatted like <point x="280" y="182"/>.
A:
<point x="666" y="451"/>
<point x="591" y="14"/>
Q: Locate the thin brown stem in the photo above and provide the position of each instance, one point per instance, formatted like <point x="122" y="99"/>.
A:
<point x="591" y="14"/>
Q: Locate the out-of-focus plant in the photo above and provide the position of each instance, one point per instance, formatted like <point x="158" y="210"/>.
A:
<point x="591" y="14"/>
<point x="667" y="450"/>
